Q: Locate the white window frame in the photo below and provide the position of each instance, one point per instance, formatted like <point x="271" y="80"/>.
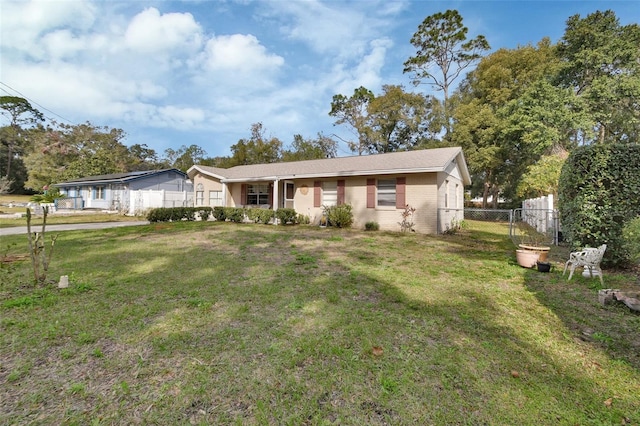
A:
<point x="258" y="191"/>
<point x="457" y="197"/>
<point x="446" y="194"/>
<point x="99" y="192"/>
<point x="199" y="195"/>
<point x="215" y="198"/>
<point x="386" y="190"/>
<point x="330" y="193"/>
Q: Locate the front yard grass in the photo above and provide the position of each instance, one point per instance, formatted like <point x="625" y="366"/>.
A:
<point x="16" y="214"/>
<point x="217" y="323"/>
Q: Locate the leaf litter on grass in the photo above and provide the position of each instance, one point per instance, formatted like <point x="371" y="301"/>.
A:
<point x="230" y="324"/>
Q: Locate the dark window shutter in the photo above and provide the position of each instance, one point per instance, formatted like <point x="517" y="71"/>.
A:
<point x="401" y="199"/>
<point x="270" y="195"/>
<point x="340" y="192"/>
<point x="317" y="193"/>
<point x="243" y="194"/>
<point x="371" y="193"/>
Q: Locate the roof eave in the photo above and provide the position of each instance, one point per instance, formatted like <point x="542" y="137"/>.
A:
<point x="195" y="168"/>
<point x="335" y="174"/>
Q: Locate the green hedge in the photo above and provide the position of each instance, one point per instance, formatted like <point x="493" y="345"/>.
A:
<point x="219" y="214"/>
<point x="371" y="226"/>
<point x="286" y="216"/>
<point x="170" y="214"/>
<point x="235" y="214"/>
<point x="631" y="238"/>
<point x="232" y="214"/>
<point x="257" y="215"/>
<point x="340" y="216"/>
<point x="598" y="194"/>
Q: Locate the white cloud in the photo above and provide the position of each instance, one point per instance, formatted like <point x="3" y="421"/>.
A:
<point x="151" y="32"/>
<point x="119" y="65"/>
<point x="63" y="44"/>
<point x="179" y="117"/>
<point x="340" y="30"/>
<point x="24" y="22"/>
<point x="371" y="65"/>
<point x="239" y="53"/>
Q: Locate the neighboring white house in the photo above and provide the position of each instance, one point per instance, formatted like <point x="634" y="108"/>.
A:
<point x="130" y="193"/>
<point x="378" y="187"/>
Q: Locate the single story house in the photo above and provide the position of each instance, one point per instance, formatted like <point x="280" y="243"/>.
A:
<point x="130" y="193"/>
<point x="378" y="187"/>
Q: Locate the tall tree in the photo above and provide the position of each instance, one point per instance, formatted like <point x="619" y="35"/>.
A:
<point x="542" y="178"/>
<point x="258" y="149"/>
<point x="67" y="152"/>
<point x="352" y="111"/>
<point x="602" y="65"/>
<point x="310" y="149"/>
<point x="398" y="120"/>
<point x="20" y="114"/>
<point x="144" y="158"/>
<point x="393" y="121"/>
<point x="441" y="43"/>
<point x="184" y="157"/>
<point x="14" y="183"/>
<point x="508" y="115"/>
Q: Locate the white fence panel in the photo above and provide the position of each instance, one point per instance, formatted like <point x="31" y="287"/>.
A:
<point x="535" y="211"/>
<point x="143" y="200"/>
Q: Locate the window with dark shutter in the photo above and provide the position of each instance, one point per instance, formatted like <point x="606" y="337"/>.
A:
<point x="386" y="192"/>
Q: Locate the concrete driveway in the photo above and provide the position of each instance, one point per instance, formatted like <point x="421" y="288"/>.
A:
<point x="69" y="227"/>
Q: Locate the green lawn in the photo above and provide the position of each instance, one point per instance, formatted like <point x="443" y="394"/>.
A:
<point x="217" y="323"/>
<point x="54" y="217"/>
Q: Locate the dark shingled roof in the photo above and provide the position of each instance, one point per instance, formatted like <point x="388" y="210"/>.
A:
<point x="116" y="177"/>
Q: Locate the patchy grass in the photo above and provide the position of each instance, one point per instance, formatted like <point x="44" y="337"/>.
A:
<point x="209" y="323"/>
<point x="59" y="217"/>
<point x="6" y="199"/>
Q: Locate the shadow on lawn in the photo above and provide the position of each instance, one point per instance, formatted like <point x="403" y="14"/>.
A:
<point x="489" y="344"/>
<point x="613" y="328"/>
<point x="227" y="323"/>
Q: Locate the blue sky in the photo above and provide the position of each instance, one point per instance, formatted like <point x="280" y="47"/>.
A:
<point x="173" y="73"/>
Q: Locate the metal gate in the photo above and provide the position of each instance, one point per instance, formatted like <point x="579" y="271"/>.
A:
<point x="524" y="224"/>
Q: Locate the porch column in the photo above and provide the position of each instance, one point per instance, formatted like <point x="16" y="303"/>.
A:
<point x="224" y="194"/>
<point x="276" y="198"/>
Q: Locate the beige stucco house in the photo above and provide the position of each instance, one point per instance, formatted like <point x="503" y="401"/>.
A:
<point x="378" y="187"/>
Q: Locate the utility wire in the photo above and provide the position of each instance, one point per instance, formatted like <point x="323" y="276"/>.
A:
<point x="33" y="102"/>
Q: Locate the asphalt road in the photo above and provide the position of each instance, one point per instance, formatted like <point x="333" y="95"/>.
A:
<point x="69" y="227"/>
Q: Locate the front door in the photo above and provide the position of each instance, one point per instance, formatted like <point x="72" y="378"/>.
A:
<point x="289" y="192"/>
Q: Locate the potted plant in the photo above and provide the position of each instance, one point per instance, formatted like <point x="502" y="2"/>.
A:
<point x="527" y="258"/>
<point x="532" y="247"/>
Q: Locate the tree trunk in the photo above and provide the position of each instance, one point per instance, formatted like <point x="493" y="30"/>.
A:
<point x="495" y="193"/>
<point x="485" y="195"/>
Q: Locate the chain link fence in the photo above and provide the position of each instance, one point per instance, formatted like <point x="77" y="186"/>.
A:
<point x="497" y="221"/>
<point x="533" y="226"/>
